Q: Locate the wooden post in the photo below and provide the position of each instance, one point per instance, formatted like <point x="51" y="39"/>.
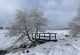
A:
<point x="55" y="36"/>
<point x="39" y="35"/>
<point x="49" y="36"/>
<point x="44" y="34"/>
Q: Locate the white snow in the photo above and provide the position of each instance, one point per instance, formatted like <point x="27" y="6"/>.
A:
<point x="60" y="33"/>
<point x="5" y="40"/>
<point x="52" y="48"/>
<point x="66" y="46"/>
<point x="69" y="46"/>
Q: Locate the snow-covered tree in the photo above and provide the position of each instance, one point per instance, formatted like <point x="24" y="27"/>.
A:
<point x="75" y="24"/>
<point x="39" y="20"/>
<point x="27" y="22"/>
<point x="22" y="24"/>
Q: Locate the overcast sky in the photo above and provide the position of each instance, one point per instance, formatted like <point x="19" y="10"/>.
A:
<point x="59" y="12"/>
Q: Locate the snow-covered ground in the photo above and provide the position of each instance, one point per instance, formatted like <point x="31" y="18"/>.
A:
<point x="6" y="41"/>
<point x="60" y="33"/>
<point x="52" y="48"/>
<point x="66" y="46"/>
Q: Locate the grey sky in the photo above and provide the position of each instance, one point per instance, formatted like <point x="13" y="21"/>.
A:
<point x="59" y="12"/>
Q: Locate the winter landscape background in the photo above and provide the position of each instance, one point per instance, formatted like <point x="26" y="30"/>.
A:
<point x="20" y="18"/>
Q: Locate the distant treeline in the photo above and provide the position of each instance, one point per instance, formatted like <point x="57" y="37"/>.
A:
<point x="67" y="28"/>
<point x="1" y="27"/>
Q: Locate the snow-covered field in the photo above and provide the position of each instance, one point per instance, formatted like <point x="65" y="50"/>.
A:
<point x="60" y="33"/>
<point x="52" y="48"/>
<point x="5" y="40"/>
<point x="66" y="46"/>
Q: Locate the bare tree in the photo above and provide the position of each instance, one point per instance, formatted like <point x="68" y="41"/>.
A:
<point x="22" y="24"/>
<point x="75" y="26"/>
<point x="28" y="22"/>
<point x="39" y="20"/>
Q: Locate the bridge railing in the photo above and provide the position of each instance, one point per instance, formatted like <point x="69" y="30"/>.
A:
<point x="45" y="36"/>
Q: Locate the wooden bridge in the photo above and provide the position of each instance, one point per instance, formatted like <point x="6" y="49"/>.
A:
<point x="44" y="37"/>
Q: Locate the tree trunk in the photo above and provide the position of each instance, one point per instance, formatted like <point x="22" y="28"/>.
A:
<point x="27" y="34"/>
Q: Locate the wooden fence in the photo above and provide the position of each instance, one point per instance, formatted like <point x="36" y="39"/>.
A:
<point x="44" y="36"/>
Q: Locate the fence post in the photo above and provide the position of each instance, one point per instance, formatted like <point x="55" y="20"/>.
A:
<point x="49" y="36"/>
<point x="39" y="35"/>
<point x="44" y="34"/>
<point x="55" y="36"/>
